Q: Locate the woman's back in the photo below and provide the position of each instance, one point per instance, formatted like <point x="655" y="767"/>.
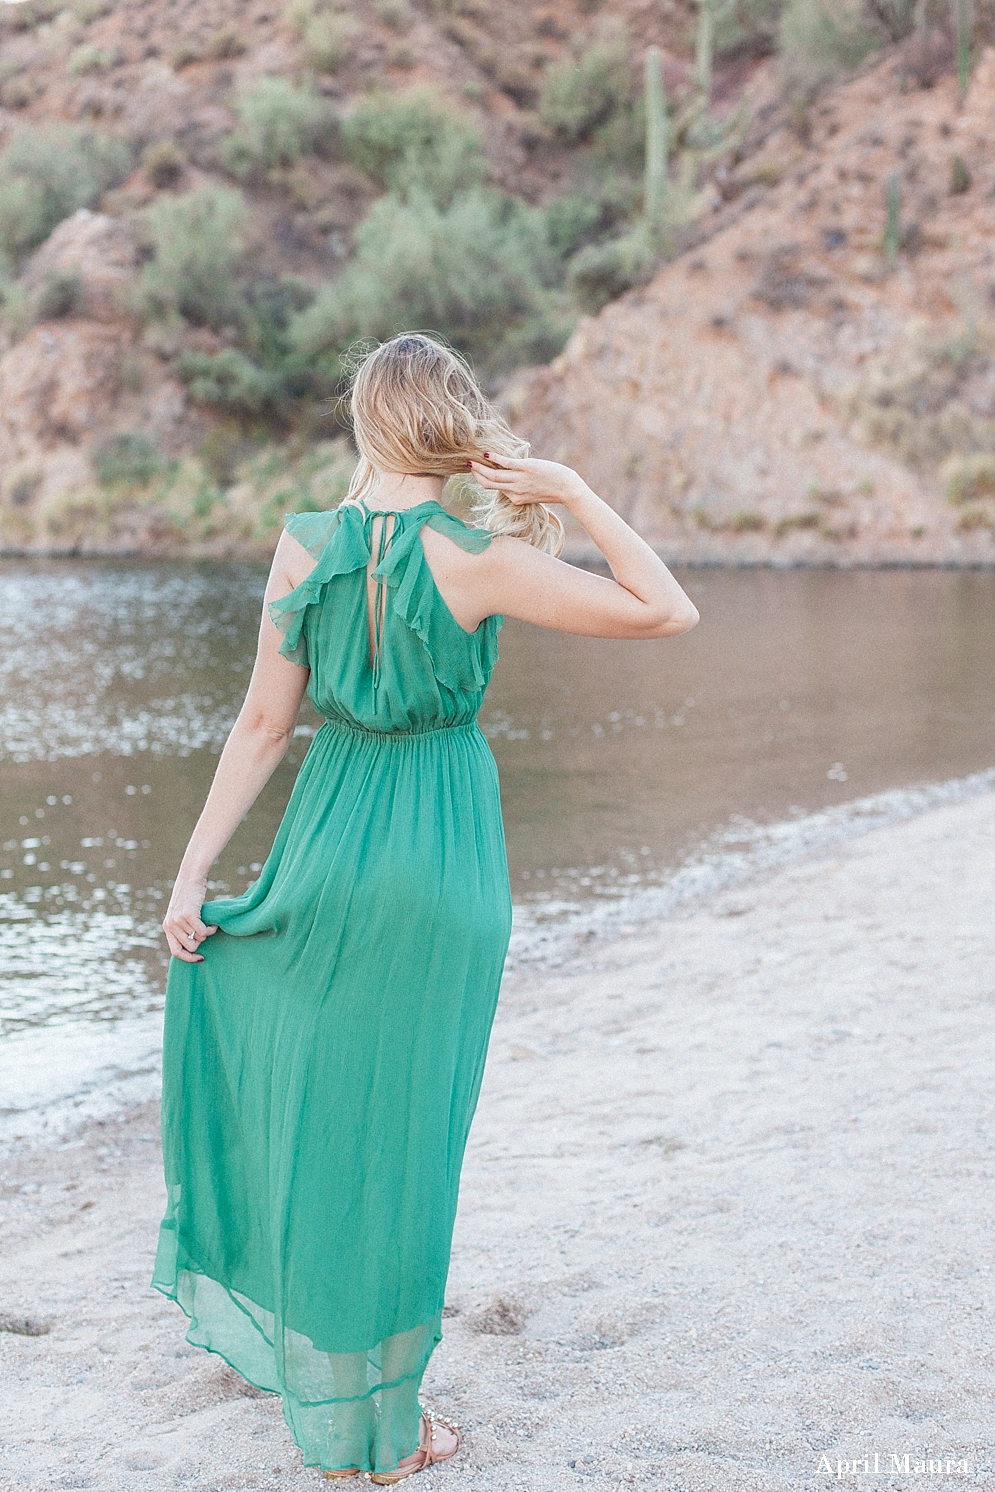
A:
<point x="384" y="650"/>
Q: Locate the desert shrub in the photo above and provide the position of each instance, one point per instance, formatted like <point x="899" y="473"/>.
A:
<point x="396" y="14"/>
<point x="229" y="381"/>
<point x="278" y="124"/>
<point x="31" y="13"/>
<point x="960" y="176"/>
<point x="91" y="10"/>
<point x="266" y="374"/>
<point x="197" y="245"/>
<point x="185" y="54"/>
<point x="480" y="272"/>
<point x="63" y="294"/>
<point x="271" y="304"/>
<point x="748" y="28"/>
<point x="966" y="478"/>
<point x="602" y="272"/>
<point x="571" y="220"/>
<point x="17" y="92"/>
<point x="582" y="91"/>
<point x="926" y="406"/>
<point x="127" y="460"/>
<point x="16" y="310"/>
<point x="893" y="19"/>
<point x="326" y="41"/>
<point x="47" y="172"/>
<point x="225" y="45"/>
<point x="87" y="59"/>
<point x="326" y="34"/>
<point x="412" y="141"/>
<point x="820" y="39"/>
<point x="164" y="164"/>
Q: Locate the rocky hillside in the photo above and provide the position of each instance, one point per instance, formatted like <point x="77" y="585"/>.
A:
<point x="202" y="207"/>
<point x="816" y="383"/>
<point x="199" y="207"/>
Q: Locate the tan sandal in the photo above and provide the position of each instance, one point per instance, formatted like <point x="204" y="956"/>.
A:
<point x="429" y="1457"/>
<point x="347" y="1471"/>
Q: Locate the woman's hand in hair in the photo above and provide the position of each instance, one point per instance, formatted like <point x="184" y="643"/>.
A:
<point x="524" y="479"/>
<point x="512" y="578"/>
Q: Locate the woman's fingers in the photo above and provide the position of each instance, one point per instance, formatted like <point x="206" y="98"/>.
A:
<point x="178" y="951"/>
<point x="184" y="933"/>
<point x="515" y="483"/>
<point x="509" y="463"/>
<point x="183" y="945"/>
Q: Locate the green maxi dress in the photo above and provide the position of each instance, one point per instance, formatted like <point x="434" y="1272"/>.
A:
<point x="321" y="1066"/>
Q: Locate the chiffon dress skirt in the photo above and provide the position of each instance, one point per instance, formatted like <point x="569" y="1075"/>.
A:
<point x="322" y="1064"/>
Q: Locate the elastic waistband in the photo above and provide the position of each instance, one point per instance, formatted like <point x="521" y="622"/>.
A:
<point x="400" y="736"/>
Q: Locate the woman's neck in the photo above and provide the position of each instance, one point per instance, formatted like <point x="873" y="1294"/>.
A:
<point x="397" y="489"/>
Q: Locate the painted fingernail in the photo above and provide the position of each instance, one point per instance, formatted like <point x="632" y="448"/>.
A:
<point x="487" y="455"/>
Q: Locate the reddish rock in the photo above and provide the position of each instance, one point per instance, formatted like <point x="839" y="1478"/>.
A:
<point x="760" y="399"/>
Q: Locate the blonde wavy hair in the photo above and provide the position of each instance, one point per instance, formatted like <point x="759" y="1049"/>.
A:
<point x="417" y="408"/>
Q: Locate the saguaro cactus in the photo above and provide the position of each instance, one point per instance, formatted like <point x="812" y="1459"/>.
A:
<point x="704" y="46"/>
<point x="710" y="14"/>
<point x="963" y="26"/>
<point x="891" y="240"/>
<point x="657" y="142"/>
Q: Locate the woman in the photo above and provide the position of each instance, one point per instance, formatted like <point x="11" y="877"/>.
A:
<point x="323" y="1051"/>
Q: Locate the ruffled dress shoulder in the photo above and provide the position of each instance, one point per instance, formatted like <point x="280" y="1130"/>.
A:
<point x="341" y="543"/>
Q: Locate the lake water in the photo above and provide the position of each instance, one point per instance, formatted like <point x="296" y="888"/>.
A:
<point x="804" y="702"/>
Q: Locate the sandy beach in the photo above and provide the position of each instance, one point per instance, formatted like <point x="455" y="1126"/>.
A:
<point x="725" y="1218"/>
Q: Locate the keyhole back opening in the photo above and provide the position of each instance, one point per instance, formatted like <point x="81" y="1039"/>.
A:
<point x="382" y="528"/>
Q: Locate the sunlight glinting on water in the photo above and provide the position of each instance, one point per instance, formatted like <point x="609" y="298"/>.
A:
<point x="804" y="708"/>
<point x="71" y="965"/>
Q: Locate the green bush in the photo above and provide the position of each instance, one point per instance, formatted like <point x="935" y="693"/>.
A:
<point x="480" y="272"/>
<point x="326" y="39"/>
<point x="571" y="220"/>
<point x="266" y="374"/>
<point x="748" y="28"/>
<point x="87" y="59"/>
<point x="197" y="246"/>
<point x="324" y="31"/>
<point x="31" y="13"/>
<point x="127" y="460"/>
<point x="270" y="306"/>
<point x="397" y="14"/>
<point x="49" y="171"/>
<point x="63" y="294"/>
<point x="583" y="91"/>
<point x="91" y="10"/>
<point x="164" y="164"/>
<point x="229" y="381"/>
<point x="412" y="141"/>
<point x="603" y="272"/>
<point x="819" y="40"/>
<point x="278" y="124"/>
<point x="225" y="45"/>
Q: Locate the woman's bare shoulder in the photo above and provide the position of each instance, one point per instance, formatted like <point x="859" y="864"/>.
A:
<point x="292" y="563"/>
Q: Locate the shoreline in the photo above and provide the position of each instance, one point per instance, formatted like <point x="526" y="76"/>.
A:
<point x="116" y="1064"/>
<point x="691" y="1247"/>
<point x="236" y="553"/>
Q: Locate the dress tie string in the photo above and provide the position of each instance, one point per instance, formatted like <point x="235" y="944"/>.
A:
<point x="384" y="541"/>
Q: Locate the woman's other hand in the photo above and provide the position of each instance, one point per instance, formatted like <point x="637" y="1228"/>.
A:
<point x="184" y="928"/>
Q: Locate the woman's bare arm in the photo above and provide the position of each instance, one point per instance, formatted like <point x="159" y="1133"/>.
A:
<point x="258" y="741"/>
<point x="515" y="579"/>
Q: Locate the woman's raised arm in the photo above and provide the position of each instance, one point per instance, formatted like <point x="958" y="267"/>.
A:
<point x="515" y="579"/>
<point x="259" y="738"/>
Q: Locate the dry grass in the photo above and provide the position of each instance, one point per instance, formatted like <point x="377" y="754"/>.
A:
<point x="930" y="406"/>
<point x="194" y="502"/>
